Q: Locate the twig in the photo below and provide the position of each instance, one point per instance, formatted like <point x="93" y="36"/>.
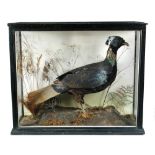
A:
<point x="106" y="95"/>
<point x="122" y="54"/>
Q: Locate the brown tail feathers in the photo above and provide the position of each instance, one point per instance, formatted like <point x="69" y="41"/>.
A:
<point x="36" y="98"/>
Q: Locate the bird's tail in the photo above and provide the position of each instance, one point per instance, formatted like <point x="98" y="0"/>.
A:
<point x="36" y="98"/>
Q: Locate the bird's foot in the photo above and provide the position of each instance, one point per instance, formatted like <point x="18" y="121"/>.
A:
<point x="83" y="113"/>
<point x="86" y="115"/>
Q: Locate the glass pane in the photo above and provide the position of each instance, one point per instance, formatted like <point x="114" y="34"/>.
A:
<point x="103" y="92"/>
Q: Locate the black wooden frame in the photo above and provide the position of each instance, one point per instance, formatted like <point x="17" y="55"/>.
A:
<point x="78" y="26"/>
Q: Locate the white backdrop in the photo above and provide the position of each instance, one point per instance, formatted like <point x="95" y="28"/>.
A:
<point x="80" y="10"/>
<point x="68" y="50"/>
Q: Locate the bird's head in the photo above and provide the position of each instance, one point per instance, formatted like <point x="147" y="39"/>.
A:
<point x="116" y="42"/>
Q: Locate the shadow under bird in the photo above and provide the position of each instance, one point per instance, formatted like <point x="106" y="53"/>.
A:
<point x="87" y="79"/>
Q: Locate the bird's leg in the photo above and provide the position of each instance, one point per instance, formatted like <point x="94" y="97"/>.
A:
<point x="79" y="98"/>
<point x="82" y="104"/>
<point x="81" y="101"/>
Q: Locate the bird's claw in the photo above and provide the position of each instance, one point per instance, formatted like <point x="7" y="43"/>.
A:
<point x="83" y="114"/>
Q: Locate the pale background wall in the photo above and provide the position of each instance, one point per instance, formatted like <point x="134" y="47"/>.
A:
<point x="96" y="10"/>
<point x="73" y="49"/>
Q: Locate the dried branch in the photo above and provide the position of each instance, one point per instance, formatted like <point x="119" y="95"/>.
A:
<point x="121" y="97"/>
<point x="122" y="53"/>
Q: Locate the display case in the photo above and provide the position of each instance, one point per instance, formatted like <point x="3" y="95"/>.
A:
<point x="77" y="77"/>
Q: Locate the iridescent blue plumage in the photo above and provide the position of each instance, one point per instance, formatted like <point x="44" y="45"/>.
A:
<point x="92" y="77"/>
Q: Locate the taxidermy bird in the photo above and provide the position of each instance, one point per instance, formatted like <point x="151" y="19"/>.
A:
<point x="87" y="79"/>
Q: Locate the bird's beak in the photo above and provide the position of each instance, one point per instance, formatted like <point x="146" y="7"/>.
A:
<point x="125" y="43"/>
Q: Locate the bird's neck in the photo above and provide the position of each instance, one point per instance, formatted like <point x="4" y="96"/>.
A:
<point x="111" y="56"/>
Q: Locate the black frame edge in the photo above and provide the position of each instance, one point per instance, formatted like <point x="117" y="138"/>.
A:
<point x="13" y="77"/>
<point x="141" y="78"/>
<point x="78" y="26"/>
<point x="78" y="131"/>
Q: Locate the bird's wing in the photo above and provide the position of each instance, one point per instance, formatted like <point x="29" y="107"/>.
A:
<point x="89" y="76"/>
<point x="61" y="77"/>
